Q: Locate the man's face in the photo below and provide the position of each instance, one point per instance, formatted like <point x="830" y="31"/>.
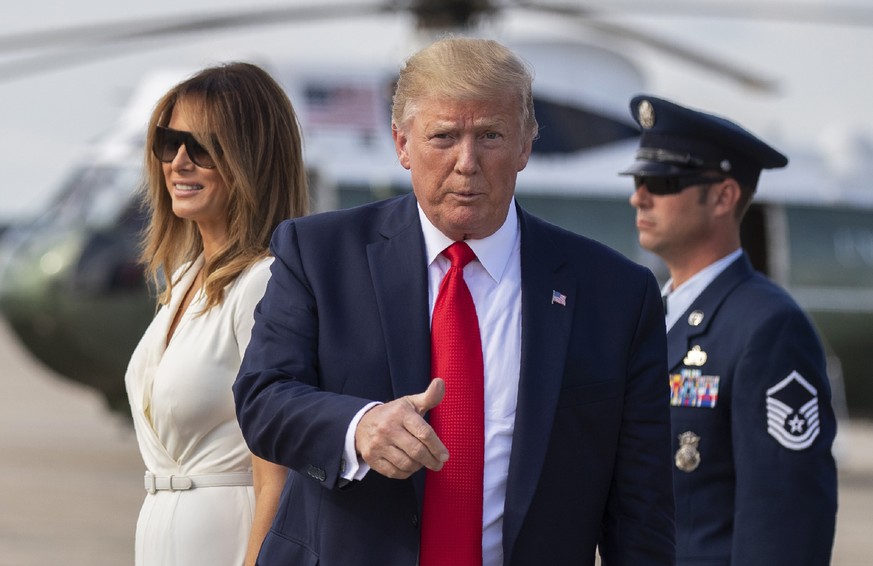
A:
<point x="671" y="225"/>
<point x="464" y="157"/>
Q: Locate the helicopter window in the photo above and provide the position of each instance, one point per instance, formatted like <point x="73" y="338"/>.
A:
<point x="608" y="220"/>
<point x="109" y="202"/>
<point x="832" y="247"/>
<point x="349" y="195"/>
<point x="753" y="235"/>
<point x="96" y="195"/>
<point x="566" y="129"/>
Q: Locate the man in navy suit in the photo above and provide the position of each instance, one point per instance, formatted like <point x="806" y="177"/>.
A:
<point x="750" y="403"/>
<point x="336" y="383"/>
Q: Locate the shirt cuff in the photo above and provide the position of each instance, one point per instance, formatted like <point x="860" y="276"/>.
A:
<point x="354" y="468"/>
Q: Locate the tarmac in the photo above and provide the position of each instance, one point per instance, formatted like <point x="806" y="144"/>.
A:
<point x="71" y="474"/>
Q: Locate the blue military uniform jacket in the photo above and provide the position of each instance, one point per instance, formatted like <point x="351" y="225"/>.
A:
<point x="755" y="480"/>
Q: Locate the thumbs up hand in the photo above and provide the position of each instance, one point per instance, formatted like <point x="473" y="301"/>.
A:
<point x="396" y="441"/>
<point x="424" y="402"/>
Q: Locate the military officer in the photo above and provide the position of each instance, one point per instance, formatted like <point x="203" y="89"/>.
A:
<point x="755" y="481"/>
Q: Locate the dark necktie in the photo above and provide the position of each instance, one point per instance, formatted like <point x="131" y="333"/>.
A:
<point x="452" y="517"/>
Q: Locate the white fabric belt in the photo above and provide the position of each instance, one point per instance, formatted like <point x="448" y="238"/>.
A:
<point x="155" y="483"/>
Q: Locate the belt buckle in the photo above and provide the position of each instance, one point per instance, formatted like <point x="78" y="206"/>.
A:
<point x="180" y="483"/>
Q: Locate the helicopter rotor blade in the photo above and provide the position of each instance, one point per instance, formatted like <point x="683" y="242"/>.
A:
<point x="154" y="28"/>
<point x="76" y="45"/>
<point x="825" y="13"/>
<point x="718" y="65"/>
<point x="64" y="47"/>
<point x="462" y="11"/>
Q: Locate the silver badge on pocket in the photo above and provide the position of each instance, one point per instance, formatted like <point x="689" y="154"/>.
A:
<point x="687" y="457"/>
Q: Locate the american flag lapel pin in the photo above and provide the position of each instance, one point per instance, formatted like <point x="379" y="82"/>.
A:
<point x="559" y="298"/>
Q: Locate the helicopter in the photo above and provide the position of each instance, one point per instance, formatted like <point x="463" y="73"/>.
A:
<point x="72" y="291"/>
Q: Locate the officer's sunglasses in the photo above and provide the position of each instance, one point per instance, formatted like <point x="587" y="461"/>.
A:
<point x="671" y="185"/>
<point x="168" y="141"/>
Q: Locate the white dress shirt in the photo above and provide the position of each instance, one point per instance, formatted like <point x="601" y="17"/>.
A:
<point x="681" y="298"/>
<point x="494" y="280"/>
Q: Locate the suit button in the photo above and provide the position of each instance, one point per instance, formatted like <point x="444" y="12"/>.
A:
<point x="316" y="473"/>
<point x="415" y="520"/>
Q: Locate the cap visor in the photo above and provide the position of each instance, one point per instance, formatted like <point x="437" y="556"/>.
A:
<point x="657" y="169"/>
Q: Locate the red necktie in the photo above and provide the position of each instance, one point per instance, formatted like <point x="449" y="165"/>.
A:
<point x="452" y="518"/>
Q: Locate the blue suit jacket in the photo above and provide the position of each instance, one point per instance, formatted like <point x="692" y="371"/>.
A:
<point x="344" y="321"/>
<point x="760" y="495"/>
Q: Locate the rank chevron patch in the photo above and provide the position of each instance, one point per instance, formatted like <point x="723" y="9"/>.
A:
<point x="792" y="412"/>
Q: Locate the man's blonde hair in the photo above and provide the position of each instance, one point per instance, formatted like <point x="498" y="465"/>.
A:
<point x="466" y="69"/>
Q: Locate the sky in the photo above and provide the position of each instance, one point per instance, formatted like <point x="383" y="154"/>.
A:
<point x="822" y="104"/>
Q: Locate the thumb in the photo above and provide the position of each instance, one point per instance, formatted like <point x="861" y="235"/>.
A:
<point x="424" y="402"/>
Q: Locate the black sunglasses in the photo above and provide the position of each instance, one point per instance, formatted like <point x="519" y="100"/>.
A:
<point x="168" y="141"/>
<point x="672" y="185"/>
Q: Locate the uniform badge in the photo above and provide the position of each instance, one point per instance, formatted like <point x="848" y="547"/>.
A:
<point x="792" y="412"/>
<point x="694" y="357"/>
<point x="647" y="114"/>
<point x="690" y="388"/>
<point x="687" y="457"/>
<point x="695" y="318"/>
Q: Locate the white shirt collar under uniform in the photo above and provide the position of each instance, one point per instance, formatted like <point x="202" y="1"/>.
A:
<point x="680" y="299"/>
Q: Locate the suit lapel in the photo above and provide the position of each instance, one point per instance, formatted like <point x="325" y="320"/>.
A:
<point x="545" y="335"/>
<point x="399" y="275"/>
<point x="696" y="320"/>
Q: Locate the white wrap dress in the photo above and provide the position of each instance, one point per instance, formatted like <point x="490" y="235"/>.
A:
<point x="183" y="413"/>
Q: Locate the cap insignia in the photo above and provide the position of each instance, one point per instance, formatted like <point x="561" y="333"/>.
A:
<point x="646" y="114"/>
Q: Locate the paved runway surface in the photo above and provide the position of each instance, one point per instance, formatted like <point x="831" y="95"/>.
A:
<point x="71" y="475"/>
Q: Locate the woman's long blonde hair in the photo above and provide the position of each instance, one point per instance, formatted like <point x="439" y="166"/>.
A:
<point x="240" y="108"/>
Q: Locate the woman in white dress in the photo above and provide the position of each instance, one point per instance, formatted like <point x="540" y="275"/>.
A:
<point x="223" y="168"/>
